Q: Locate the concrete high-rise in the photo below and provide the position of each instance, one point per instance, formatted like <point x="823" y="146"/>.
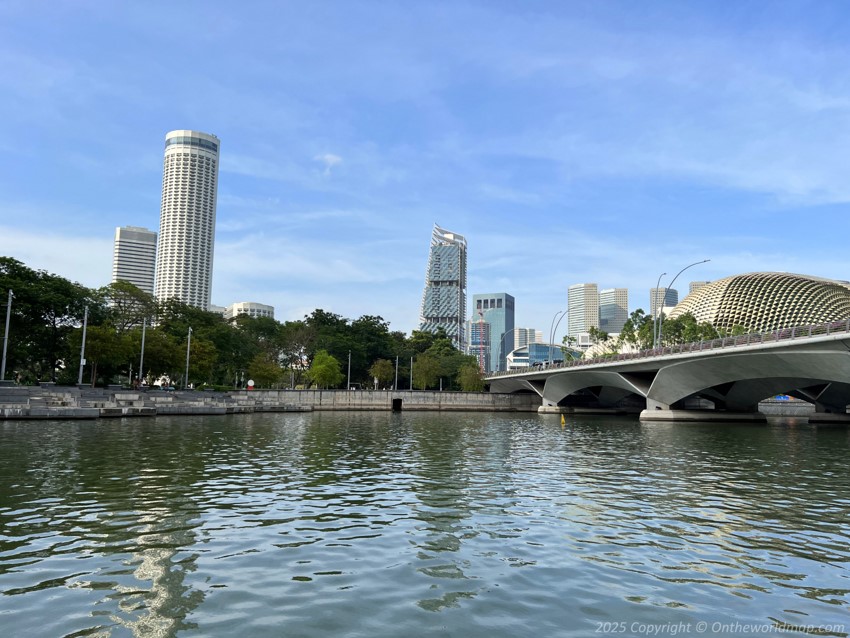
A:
<point x="524" y="336"/>
<point x="134" y="257"/>
<point x="184" y="259"/>
<point x="613" y="309"/>
<point x="444" y="298"/>
<point x="582" y="309"/>
<point x="660" y="298"/>
<point x="491" y="346"/>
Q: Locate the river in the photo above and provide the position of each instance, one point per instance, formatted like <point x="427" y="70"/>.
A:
<point x="422" y="524"/>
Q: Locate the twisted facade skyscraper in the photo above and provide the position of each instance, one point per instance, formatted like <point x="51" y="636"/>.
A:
<point x="444" y="298"/>
<point x="184" y="256"/>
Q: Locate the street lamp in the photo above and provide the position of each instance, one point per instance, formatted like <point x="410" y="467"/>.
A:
<point x="142" y="357"/>
<point x="655" y="312"/>
<point x="6" y="336"/>
<point x="188" y="343"/>
<point x="661" y="318"/>
<point x="552" y="330"/>
<point x="83" y="347"/>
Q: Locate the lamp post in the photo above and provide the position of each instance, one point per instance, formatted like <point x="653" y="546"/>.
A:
<point x="188" y="344"/>
<point x="6" y="336"/>
<point x="142" y="356"/>
<point x="83" y="347"/>
<point x="661" y="318"/>
<point x="552" y="328"/>
<point x="348" y="383"/>
<point x="395" y="383"/>
<point x="552" y="331"/>
<point x="655" y="313"/>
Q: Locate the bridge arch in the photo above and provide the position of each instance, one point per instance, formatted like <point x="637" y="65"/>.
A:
<point x="738" y="382"/>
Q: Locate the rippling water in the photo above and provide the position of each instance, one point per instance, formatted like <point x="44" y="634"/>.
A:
<point x="379" y="524"/>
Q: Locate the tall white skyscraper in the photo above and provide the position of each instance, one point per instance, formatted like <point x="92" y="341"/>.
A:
<point x="582" y="308"/>
<point x="134" y="257"/>
<point x="184" y="258"/>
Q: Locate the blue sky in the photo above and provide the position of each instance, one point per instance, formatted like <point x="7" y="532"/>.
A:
<point x="570" y="142"/>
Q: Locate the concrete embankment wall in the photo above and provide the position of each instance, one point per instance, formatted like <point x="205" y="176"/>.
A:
<point x="403" y="400"/>
<point x="58" y="402"/>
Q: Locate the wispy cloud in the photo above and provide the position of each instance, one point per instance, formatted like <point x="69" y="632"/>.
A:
<point x="329" y="160"/>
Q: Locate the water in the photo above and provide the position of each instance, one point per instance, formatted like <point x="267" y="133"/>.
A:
<point x="379" y="524"/>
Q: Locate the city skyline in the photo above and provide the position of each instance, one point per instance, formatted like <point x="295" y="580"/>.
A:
<point x="606" y="142"/>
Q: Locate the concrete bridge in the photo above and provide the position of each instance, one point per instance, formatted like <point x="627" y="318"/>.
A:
<point x="724" y="379"/>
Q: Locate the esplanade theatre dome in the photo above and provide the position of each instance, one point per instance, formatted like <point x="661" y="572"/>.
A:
<point x="765" y="301"/>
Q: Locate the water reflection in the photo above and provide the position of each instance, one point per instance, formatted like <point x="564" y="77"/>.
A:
<point x="384" y="524"/>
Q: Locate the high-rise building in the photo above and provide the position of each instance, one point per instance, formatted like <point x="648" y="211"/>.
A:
<point x="613" y="309"/>
<point x="662" y="298"/>
<point x="249" y="308"/>
<point x="134" y="257"/>
<point x="184" y="258"/>
<point x="524" y="336"/>
<point x="696" y="285"/>
<point x="582" y="309"/>
<point x="444" y="298"/>
<point x="491" y="329"/>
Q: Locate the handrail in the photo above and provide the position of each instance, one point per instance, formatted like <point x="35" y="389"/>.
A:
<point x="785" y="334"/>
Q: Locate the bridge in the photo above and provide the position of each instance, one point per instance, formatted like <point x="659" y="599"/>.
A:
<point x="723" y="379"/>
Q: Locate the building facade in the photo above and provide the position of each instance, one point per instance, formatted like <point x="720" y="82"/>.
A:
<point x="184" y="260"/>
<point x="248" y="308"/>
<point x="696" y="285"/>
<point x="444" y="297"/>
<point x="491" y="329"/>
<point x="524" y="336"/>
<point x="582" y="309"/>
<point x="613" y="309"/>
<point x="134" y="257"/>
<point x="660" y="298"/>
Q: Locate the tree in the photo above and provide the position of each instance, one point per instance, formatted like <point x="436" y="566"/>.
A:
<point x="384" y="371"/>
<point x="46" y="310"/>
<point x="264" y="371"/>
<point x="106" y="351"/>
<point x="128" y="305"/>
<point x="470" y="378"/>
<point x="426" y="371"/>
<point x="325" y="370"/>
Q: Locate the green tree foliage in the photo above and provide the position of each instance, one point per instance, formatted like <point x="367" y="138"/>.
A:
<point x="128" y="305"/>
<point x="265" y="371"/>
<point x="325" y="370"/>
<point x="470" y="378"/>
<point x="46" y="334"/>
<point x="426" y="371"/>
<point x="46" y="309"/>
<point x="384" y="371"/>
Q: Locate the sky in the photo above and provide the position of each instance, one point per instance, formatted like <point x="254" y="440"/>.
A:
<point x="568" y="141"/>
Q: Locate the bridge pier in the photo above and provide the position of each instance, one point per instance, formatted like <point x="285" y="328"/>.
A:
<point x="713" y="416"/>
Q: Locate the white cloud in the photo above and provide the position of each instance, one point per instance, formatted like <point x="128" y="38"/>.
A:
<point x="329" y="160"/>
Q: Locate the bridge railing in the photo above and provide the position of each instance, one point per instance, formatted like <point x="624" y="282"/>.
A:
<point x="786" y="334"/>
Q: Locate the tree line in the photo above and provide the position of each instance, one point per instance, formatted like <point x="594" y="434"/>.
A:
<point x="640" y="332"/>
<point x="46" y="338"/>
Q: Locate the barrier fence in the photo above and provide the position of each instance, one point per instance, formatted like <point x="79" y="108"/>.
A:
<point x="787" y="334"/>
